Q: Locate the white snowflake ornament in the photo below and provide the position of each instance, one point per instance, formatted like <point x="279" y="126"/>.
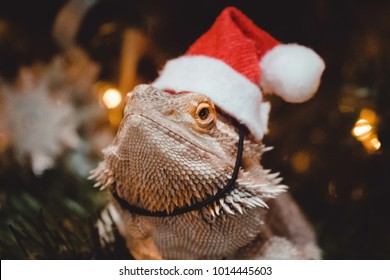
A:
<point x="39" y="125"/>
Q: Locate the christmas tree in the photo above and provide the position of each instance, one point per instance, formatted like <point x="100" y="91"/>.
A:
<point x="65" y="68"/>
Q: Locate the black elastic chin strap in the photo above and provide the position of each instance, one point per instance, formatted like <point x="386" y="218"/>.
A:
<point x="196" y="206"/>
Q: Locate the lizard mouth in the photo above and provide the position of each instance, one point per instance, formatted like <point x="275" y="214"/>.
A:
<point x="228" y="187"/>
<point x="177" y="136"/>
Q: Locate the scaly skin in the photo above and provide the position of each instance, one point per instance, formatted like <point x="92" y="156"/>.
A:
<point x="168" y="153"/>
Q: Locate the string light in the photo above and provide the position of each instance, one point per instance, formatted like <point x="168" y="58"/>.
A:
<point x="112" y="98"/>
<point x="364" y="130"/>
<point x="300" y="161"/>
<point x="375" y="143"/>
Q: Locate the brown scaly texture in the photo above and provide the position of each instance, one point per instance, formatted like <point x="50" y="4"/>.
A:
<point x="170" y="152"/>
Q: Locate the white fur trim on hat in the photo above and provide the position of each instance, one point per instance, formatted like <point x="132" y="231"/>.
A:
<point x="228" y="89"/>
<point x="291" y="71"/>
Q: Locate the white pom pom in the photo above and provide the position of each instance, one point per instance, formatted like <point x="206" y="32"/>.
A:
<point x="291" y="71"/>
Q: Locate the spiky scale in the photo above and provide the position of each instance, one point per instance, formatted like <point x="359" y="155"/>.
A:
<point x="164" y="162"/>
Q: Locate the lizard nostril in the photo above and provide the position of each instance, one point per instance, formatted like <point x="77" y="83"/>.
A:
<point x="170" y="112"/>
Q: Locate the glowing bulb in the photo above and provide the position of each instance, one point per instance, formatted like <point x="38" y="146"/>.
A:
<point x="375" y="143"/>
<point x="300" y="161"/>
<point x="112" y="98"/>
<point x="368" y="115"/>
<point x="362" y="128"/>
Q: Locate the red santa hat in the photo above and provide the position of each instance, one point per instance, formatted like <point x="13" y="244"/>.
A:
<point x="235" y="62"/>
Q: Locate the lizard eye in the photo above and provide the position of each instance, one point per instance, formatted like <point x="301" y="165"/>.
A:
<point x="205" y="115"/>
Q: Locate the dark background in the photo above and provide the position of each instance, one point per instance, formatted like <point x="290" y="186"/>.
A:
<point x="342" y="187"/>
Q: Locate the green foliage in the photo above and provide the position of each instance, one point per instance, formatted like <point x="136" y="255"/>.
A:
<point x="53" y="217"/>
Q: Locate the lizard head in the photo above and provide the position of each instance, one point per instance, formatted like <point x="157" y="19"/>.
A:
<point x="173" y="150"/>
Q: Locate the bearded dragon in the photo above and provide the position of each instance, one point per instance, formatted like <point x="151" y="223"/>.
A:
<point x="173" y="151"/>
